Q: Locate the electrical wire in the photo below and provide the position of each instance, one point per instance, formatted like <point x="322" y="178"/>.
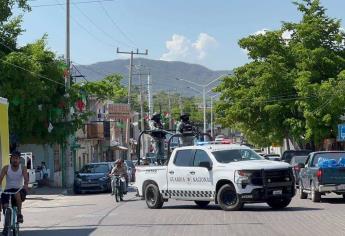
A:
<point x="38" y="75"/>
<point x="88" y="31"/>
<point x="99" y="28"/>
<point x="62" y="4"/>
<point x="115" y="24"/>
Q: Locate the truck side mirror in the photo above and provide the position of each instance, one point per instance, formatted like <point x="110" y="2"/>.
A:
<point x="205" y="164"/>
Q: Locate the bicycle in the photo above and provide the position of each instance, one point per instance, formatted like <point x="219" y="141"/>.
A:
<point x="11" y="224"/>
<point x="118" y="183"/>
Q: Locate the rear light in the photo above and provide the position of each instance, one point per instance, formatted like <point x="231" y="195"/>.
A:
<point x="319" y="174"/>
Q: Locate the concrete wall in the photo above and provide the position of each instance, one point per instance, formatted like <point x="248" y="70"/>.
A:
<point x="41" y="153"/>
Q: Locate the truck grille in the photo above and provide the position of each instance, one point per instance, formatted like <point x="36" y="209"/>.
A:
<point x="260" y="178"/>
<point x="276" y="176"/>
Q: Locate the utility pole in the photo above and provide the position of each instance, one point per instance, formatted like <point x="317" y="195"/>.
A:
<point x="180" y="103"/>
<point x="204" y="102"/>
<point x="66" y="160"/>
<point x="129" y="94"/>
<point x="212" y="129"/>
<point x="149" y="94"/>
<point x="170" y="123"/>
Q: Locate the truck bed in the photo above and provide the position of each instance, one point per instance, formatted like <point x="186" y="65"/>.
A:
<point x="147" y="173"/>
<point x="335" y="175"/>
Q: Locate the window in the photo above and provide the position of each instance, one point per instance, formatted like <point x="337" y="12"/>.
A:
<point x="184" y="158"/>
<point x="95" y="168"/>
<point x="201" y="156"/>
<point x="227" y="156"/>
<point x="332" y="155"/>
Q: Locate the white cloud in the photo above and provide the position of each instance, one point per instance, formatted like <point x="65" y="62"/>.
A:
<point x="262" y="31"/>
<point x="180" y="47"/>
<point x="203" y="43"/>
<point x="287" y="34"/>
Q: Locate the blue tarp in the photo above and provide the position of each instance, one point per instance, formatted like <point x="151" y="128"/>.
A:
<point x="330" y="163"/>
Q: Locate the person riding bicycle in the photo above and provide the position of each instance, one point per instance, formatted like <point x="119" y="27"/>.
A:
<point x="16" y="178"/>
<point x="158" y="135"/>
<point x="120" y="169"/>
<point x="186" y="129"/>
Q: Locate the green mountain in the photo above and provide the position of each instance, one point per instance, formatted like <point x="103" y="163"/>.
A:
<point x="163" y="73"/>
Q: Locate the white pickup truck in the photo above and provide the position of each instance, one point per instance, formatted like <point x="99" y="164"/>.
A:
<point x="229" y="175"/>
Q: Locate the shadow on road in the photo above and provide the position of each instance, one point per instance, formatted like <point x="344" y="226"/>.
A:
<point x="58" y="232"/>
<point x="39" y="198"/>
<point x="63" y="206"/>
<point x="292" y="209"/>
<point x="333" y="200"/>
<point x="247" y="207"/>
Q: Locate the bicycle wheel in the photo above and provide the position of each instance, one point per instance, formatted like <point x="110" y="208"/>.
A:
<point x="15" y="230"/>
<point x="7" y="224"/>
<point x="116" y="194"/>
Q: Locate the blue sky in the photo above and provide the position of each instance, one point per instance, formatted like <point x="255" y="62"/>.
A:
<point x="199" y="31"/>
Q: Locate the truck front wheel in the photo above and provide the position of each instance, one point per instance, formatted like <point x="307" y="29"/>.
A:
<point x="279" y="203"/>
<point x="153" y="197"/>
<point x="228" y="199"/>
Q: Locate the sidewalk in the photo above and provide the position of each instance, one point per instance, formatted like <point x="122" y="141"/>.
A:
<point x="48" y="191"/>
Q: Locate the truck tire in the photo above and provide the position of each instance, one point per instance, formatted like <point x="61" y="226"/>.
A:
<point x="315" y="195"/>
<point x="279" y="203"/>
<point x="302" y="194"/>
<point x="153" y="197"/>
<point x="202" y="204"/>
<point x="228" y="198"/>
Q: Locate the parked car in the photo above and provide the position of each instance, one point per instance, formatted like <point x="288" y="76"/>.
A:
<point x="287" y="155"/>
<point x="324" y="172"/>
<point x="272" y="157"/>
<point x="220" y="137"/>
<point x="131" y="170"/>
<point x="297" y="162"/>
<point x="93" y="177"/>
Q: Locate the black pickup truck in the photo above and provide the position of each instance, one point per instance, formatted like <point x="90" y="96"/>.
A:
<point x="317" y="180"/>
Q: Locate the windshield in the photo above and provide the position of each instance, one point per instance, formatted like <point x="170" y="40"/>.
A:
<point x="299" y="159"/>
<point x="227" y="156"/>
<point x="95" y="168"/>
<point x="331" y="155"/>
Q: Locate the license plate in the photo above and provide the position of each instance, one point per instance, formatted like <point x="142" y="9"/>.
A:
<point x="277" y="192"/>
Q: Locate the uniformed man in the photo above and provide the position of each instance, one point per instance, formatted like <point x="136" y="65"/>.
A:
<point x="186" y="129"/>
<point x="158" y="136"/>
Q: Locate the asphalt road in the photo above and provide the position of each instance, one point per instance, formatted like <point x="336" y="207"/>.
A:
<point x="98" y="214"/>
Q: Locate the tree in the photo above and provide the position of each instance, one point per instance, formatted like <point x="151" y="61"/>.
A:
<point x="10" y="27"/>
<point x="284" y="90"/>
<point x="108" y="88"/>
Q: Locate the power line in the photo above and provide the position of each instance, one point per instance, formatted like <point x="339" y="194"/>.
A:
<point x="38" y="75"/>
<point x="115" y="24"/>
<point x="63" y="4"/>
<point x="99" y="28"/>
<point x="85" y="29"/>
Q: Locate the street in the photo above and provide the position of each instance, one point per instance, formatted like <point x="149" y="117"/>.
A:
<point x="98" y="214"/>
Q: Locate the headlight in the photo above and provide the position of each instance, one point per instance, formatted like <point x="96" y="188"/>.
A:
<point x="243" y="176"/>
<point x="103" y="179"/>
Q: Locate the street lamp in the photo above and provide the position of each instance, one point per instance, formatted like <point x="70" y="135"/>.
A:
<point x="212" y="97"/>
<point x="203" y="86"/>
